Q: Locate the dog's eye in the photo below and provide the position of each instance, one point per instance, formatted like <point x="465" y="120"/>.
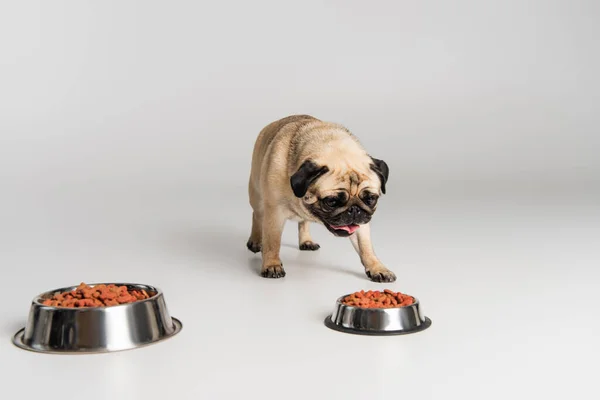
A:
<point x="330" y="202"/>
<point x="370" y="199"/>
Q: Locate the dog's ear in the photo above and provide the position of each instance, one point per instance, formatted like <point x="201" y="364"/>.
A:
<point x="382" y="170"/>
<point x="305" y="176"/>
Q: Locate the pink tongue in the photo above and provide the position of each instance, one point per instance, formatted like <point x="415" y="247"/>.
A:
<point x="347" y="228"/>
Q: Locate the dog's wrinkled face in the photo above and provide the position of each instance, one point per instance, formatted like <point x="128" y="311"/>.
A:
<point x="343" y="198"/>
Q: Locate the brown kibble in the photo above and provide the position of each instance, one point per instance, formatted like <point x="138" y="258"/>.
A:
<point x="378" y="299"/>
<point x="125" y="299"/>
<point x="98" y="296"/>
<point x="110" y="295"/>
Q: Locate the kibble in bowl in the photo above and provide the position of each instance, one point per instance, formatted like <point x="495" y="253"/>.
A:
<point x="377" y="313"/>
<point x="97" y="318"/>
<point x="101" y="295"/>
<point x="377" y="299"/>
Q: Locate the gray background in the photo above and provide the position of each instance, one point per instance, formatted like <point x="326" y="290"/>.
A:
<point x="126" y="132"/>
<point x="464" y="93"/>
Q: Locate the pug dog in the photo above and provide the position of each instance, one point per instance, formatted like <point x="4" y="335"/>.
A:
<point x="311" y="171"/>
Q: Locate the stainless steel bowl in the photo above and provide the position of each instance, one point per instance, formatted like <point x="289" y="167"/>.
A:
<point x="377" y="321"/>
<point x="97" y="329"/>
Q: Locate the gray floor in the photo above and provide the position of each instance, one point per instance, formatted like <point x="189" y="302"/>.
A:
<point x="510" y="283"/>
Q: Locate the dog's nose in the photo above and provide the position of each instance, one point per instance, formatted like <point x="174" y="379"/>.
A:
<point x="356" y="212"/>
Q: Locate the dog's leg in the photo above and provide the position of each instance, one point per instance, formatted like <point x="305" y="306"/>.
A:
<point x="255" y="242"/>
<point x="375" y="270"/>
<point x="272" y="228"/>
<point x="304" y="238"/>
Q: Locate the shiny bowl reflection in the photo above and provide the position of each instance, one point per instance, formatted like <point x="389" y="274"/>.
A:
<point x="377" y="321"/>
<point x="97" y="329"/>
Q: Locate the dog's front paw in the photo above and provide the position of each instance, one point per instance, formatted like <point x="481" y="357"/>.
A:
<point x="273" y="271"/>
<point x="381" y="274"/>
<point x="253" y="246"/>
<point x="308" y="245"/>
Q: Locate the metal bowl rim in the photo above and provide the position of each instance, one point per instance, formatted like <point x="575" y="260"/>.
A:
<point x="364" y="332"/>
<point x="18" y="342"/>
<point x="158" y="293"/>
<point x="339" y="302"/>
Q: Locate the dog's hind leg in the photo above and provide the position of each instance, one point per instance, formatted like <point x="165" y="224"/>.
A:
<point x="254" y="243"/>
<point x="304" y="238"/>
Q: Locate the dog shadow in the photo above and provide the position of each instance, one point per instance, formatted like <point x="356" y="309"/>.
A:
<point x="306" y="259"/>
<point x="213" y="246"/>
<point x="304" y="262"/>
<point x="219" y="248"/>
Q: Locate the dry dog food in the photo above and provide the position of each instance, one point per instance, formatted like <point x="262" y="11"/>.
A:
<point x="97" y="296"/>
<point x="377" y="299"/>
